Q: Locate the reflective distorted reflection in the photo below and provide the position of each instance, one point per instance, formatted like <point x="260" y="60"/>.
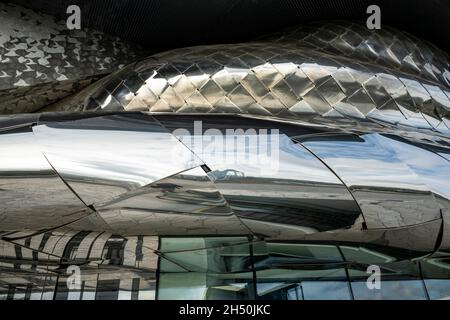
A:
<point x="382" y="178"/>
<point x="32" y="196"/>
<point x="128" y="144"/>
<point x="145" y="267"/>
<point x="294" y="166"/>
<point x="152" y="207"/>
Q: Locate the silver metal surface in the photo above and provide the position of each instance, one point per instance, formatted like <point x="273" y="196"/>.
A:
<point x="43" y="62"/>
<point x="103" y="157"/>
<point x="187" y="203"/>
<point x="32" y="196"/>
<point x="385" y="47"/>
<point x="292" y="187"/>
<point x="388" y="191"/>
<point x="280" y="181"/>
<point x="348" y="165"/>
<point x="293" y="78"/>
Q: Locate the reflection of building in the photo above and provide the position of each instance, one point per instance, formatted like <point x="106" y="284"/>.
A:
<point x="140" y="228"/>
<point x="337" y="165"/>
<point x="133" y="268"/>
<point x="111" y="267"/>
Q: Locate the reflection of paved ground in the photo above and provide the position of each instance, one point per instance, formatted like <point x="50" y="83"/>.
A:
<point x="384" y="209"/>
<point x="40" y="202"/>
<point x="270" y="189"/>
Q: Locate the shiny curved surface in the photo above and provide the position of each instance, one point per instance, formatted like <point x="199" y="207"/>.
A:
<point x="183" y="204"/>
<point x="281" y="181"/>
<point x="298" y="76"/>
<point x="32" y="195"/>
<point x="104" y="156"/>
<point x="389" y="192"/>
<point x="246" y="171"/>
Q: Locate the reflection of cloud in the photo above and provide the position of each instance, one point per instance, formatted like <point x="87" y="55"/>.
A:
<point x="19" y="152"/>
<point x="380" y="162"/>
<point x="113" y="155"/>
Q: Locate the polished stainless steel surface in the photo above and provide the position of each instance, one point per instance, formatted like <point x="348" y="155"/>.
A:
<point x="187" y="203"/>
<point x="299" y="192"/>
<point x="321" y="151"/>
<point x="32" y="196"/>
<point x="102" y="157"/>
<point x="278" y="181"/>
<point x="389" y="192"/>
<point x="334" y="71"/>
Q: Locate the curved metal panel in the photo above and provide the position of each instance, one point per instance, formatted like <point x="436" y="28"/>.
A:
<point x="32" y="196"/>
<point x="292" y="78"/>
<point x="105" y="156"/>
<point x="386" y="47"/>
<point x="432" y="169"/>
<point x="186" y="203"/>
<point x="266" y="177"/>
<point x="389" y="193"/>
<point x="186" y="192"/>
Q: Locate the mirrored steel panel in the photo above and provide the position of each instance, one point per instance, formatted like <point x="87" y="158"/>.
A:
<point x="309" y="78"/>
<point x="388" y="191"/>
<point x="432" y="169"/>
<point x="32" y="196"/>
<point x="266" y="177"/>
<point x="105" y="156"/>
<point x="186" y="203"/>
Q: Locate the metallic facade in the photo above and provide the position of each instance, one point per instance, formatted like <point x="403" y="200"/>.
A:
<point x="306" y="79"/>
<point x="125" y="188"/>
<point x="42" y="62"/>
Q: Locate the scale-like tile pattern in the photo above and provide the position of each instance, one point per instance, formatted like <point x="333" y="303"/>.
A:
<point x="42" y="61"/>
<point x="284" y="78"/>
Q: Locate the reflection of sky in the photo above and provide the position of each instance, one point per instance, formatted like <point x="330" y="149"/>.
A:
<point x="18" y="151"/>
<point x="370" y="162"/>
<point x="292" y="161"/>
<point x="431" y="168"/>
<point x="128" y="156"/>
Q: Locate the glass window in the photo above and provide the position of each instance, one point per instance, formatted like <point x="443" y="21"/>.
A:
<point x="326" y="290"/>
<point x="306" y="252"/>
<point x="171" y="244"/>
<point x="438" y="289"/>
<point x="200" y="286"/>
<point x="436" y="273"/>
<point x="237" y="286"/>
<point x="107" y="290"/>
<point x="390" y="290"/>
<point x="182" y="286"/>
<point x="321" y="283"/>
